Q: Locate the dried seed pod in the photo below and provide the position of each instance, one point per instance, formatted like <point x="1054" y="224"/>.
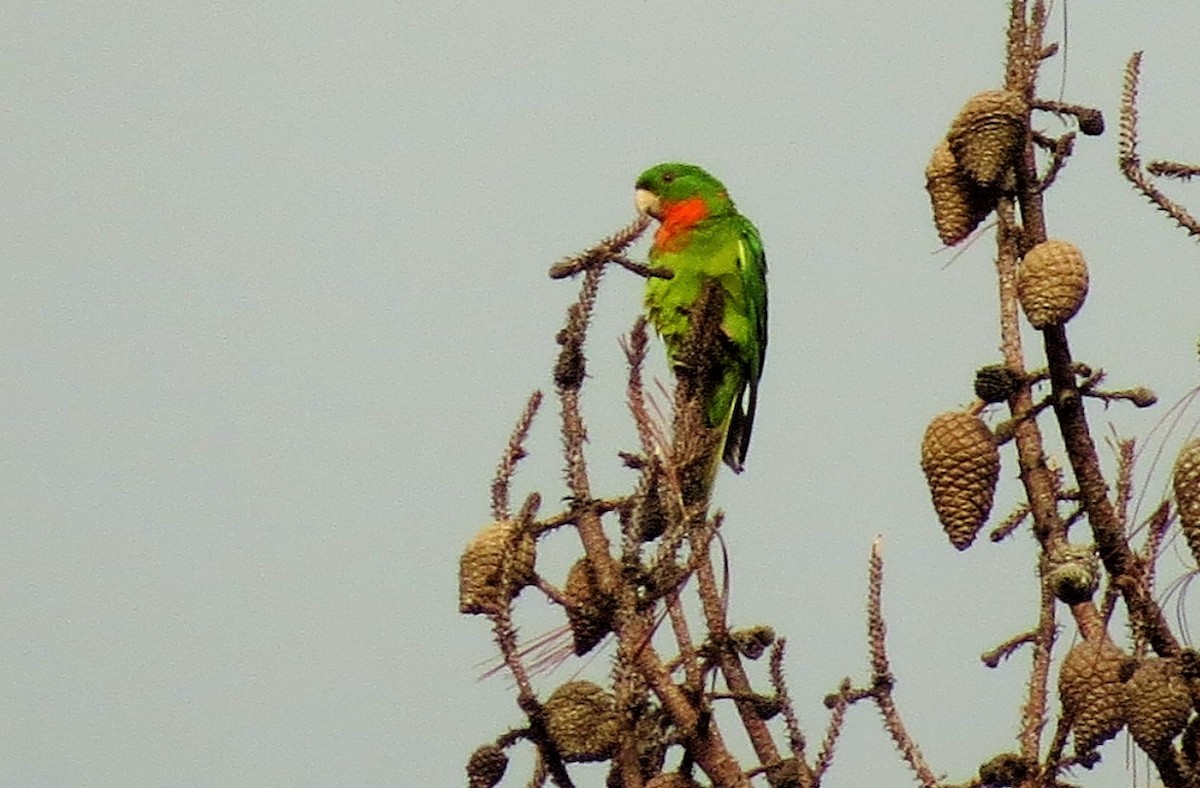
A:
<point x="961" y="465"/>
<point x="1052" y="283"/>
<point x="1186" y="481"/>
<point x="650" y="518"/>
<point x="494" y="568"/>
<point x="1158" y="703"/>
<point x="486" y="767"/>
<point x="1072" y="572"/>
<point x="751" y="642"/>
<point x="996" y="383"/>
<point x="1091" y="122"/>
<point x="591" y="615"/>
<point x="959" y="205"/>
<point x="1092" y="693"/>
<point x="582" y="720"/>
<point x="1005" y="769"/>
<point x="986" y="135"/>
<point x="571" y="367"/>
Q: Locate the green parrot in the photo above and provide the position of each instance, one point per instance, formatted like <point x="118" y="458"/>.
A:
<point x="701" y="238"/>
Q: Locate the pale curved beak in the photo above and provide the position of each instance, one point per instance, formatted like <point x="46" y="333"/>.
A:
<point x="646" y="202"/>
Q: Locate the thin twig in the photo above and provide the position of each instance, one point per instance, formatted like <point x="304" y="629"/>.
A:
<point x="1130" y="160"/>
<point x="712" y="605"/>
<point x="641" y="269"/>
<point x="1033" y="713"/>
<point x="1060" y="151"/>
<point x="1006" y="527"/>
<point x="881" y="674"/>
<point x="833" y="731"/>
<point x="635" y="392"/>
<point x="1125" y="460"/>
<point x="514" y="452"/>
<point x="1140" y="396"/>
<point x="597" y="506"/>
<point x="1006" y="649"/>
<point x="1173" y="169"/>
<point x="1089" y="119"/>
<point x="796" y="739"/>
<point x="506" y="639"/>
<point x="608" y="250"/>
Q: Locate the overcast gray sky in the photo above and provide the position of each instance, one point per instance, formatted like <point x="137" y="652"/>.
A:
<point x="274" y="292"/>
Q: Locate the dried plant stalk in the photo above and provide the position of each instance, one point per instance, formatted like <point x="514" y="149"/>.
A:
<point x="1130" y="160"/>
<point x="514" y="452"/>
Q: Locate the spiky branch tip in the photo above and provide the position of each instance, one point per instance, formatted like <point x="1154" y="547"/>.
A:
<point x="607" y="251"/>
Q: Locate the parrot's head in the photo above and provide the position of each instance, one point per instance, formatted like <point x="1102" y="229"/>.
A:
<point x="667" y="188"/>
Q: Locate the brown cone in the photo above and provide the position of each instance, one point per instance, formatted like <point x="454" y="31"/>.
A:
<point x="959" y="205"/>
<point x="1052" y="283"/>
<point x="1157" y="704"/>
<point x="582" y="720"/>
<point x="1092" y="694"/>
<point x="1007" y="768"/>
<point x="486" y="767"/>
<point x="961" y="465"/>
<point x="591" y="616"/>
<point x="494" y="568"/>
<point x="997" y="383"/>
<point x="1187" y="493"/>
<point x="986" y="135"/>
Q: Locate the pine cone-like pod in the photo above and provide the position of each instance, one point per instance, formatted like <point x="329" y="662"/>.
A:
<point x="751" y="642"/>
<point x="650" y="516"/>
<point x="494" y="568"/>
<point x="1158" y="703"/>
<point x="486" y="767"/>
<point x="1072" y="572"/>
<point x="961" y="465"/>
<point x="1186" y="480"/>
<point x="996" y="383"/>
<point x="1004" y="770"/>
<point x="1091" y="122"/>
<point x="1091" y="691"/>
<point x="959" y="205"/>
<point x="986" y="135"/>
<point x="591" y="616"/>
<point x="582" y="720"/>
<point x="1052" y="283"/>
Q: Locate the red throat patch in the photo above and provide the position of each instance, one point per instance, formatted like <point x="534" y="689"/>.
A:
<point x="677" y="219"/>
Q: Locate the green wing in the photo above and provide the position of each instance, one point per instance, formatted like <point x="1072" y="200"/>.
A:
<point x="752" y="267"/>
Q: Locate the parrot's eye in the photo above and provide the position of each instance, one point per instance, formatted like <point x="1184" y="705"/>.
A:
<point x="668" y="177"/>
